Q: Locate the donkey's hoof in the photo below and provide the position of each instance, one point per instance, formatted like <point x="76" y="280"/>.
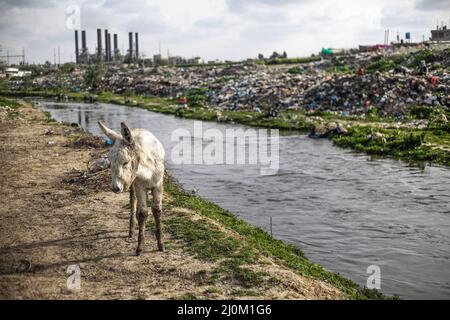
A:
<point x="161" y="247"/>
<point x="138" y="252"/>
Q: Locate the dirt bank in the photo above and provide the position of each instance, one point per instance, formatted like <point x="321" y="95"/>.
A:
<point x="50" y="218"/>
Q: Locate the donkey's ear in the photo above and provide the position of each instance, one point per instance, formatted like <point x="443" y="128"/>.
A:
<point x="126" y="133"/>
<point x="109" y="133"/>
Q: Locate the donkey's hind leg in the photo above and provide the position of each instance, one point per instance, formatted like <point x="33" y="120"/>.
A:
<point x="157" y="193"/>
<point x="142" y="212"/>
<point x="133" y="205"/>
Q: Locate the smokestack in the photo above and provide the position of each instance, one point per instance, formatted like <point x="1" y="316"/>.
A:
<point x="106" y="45"/>
<point x="83" y="41"/>
<point x="130" y="43"/>
<point x="99" y="44"/>
<point x="77" y="57"/>
<point x="109" y="47"/>
<point x="84" y="51"/>
<point x="116" y="47"/>
<point x="136" y="43"/>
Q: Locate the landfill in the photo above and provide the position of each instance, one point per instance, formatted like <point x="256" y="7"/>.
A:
<point x="309" y="87"/>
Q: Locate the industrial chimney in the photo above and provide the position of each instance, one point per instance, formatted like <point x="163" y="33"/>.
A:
<point x="83" y="40"/>
<point x="99" y="44"/>
<point x="106" y="45"/>
<point x="84" y="51"/>
<point x="116" y="46"/>
<point x="130" y="47"/>
<point x="109" y="47"/>
<point x="77" y="57"/>
<point x="136" y="43"/>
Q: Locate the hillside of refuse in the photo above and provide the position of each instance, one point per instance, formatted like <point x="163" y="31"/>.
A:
<point x="378" y="103"/>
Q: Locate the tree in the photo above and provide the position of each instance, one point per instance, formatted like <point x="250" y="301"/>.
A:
<point x="274" y="55"/>
<point x="260" y="56"/>
<point x="68" y="67"/>
<point x="28" y="83"/>
<point x="93" y="76"/>
<point x="284" y="55"/>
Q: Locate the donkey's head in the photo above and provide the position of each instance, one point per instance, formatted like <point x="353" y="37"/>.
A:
<point x="123" y="157"/>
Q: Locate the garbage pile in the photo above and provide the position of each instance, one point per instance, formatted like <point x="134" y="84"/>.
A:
<point x="254" y="87"/>
<point x="391" y="94"/>
<point x="417" y="79"/>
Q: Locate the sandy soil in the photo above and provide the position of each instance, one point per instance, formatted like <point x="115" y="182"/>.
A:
<point x="47" y="224"/>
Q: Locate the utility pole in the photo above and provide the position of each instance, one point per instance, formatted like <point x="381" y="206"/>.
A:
<point x="59" y="57"/>
<point x="8" y="56"/>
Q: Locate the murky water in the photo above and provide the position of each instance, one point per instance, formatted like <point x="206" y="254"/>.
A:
<point x="345" y="211"/>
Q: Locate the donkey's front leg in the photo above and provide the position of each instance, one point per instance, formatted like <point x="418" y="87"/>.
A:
<point x="157" y="193"/>
<point x="142" y="216"/>
<point x="133" y="205"/>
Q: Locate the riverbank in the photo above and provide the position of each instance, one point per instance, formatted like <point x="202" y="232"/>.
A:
<point x="66" y="215"/>
<point x="423" y="137"/>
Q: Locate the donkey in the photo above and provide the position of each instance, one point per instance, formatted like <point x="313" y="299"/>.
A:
<point x="137" y="165"/>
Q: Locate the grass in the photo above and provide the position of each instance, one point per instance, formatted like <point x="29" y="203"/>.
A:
<point x="208" y="243"/>
<point x="340" y="69"/>
<point x="411" y="145"/>
<point x="411" y="61"/>
<point x="236" y="256"/>
<point x="213" y="290"/>
<point x="202" y="238"/>
<point x="186" y="296"/>
<point x="293" y="60"/>
<point x="382" y="65"/>
<point x="295" y="70"/>
<point x="245" y="293"/>
<point x="10" y="106"/>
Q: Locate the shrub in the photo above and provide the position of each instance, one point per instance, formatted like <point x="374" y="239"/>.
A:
<point x="382" y="65"/>
<point x="295" y="70"/>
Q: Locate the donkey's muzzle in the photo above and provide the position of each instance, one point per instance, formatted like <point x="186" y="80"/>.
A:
<point x="116" y="189"/>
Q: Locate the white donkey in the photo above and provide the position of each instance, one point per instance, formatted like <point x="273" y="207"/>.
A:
<point x="137" y="165"/>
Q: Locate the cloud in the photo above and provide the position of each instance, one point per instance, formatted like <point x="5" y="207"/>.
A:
<point x="239" y="5"/>
<point x="214" y="22"/>
<point x="400" y="18"/>
<point x="214" y="29"/>
<point x="11" y="4"/>
<point x="433" y="5"/>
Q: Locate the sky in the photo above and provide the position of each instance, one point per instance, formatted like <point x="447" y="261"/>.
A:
<point x="213" y="29"/>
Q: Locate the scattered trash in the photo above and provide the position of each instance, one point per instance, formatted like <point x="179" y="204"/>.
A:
<point x="99" y="165"/>
<point x="88" y="141"/>
<point x="48" y="132"/>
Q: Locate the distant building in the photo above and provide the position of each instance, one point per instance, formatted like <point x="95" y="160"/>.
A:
<point x="14" y="72"/>
<point x="176" y="60"/>
<point x="195" y="60"/>
<point x="157" y="58"/>
<point x="440" y="34"/>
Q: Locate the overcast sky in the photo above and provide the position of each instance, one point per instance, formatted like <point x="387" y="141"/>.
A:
<point x="215" y="29"/>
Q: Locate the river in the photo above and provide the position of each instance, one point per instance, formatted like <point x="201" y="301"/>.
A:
<point x="346" y="211"/>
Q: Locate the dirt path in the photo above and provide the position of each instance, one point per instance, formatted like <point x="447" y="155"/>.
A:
<point x="47" y="225"/>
